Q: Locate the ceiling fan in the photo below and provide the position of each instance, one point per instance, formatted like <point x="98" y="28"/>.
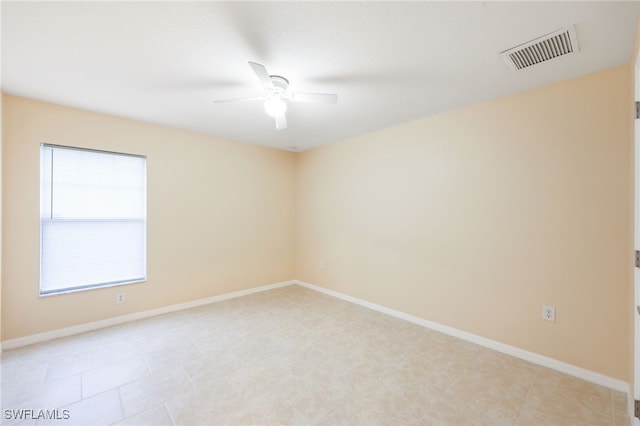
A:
<point x="277" y="95"/>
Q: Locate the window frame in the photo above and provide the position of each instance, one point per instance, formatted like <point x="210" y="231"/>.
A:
<point x="90" y="286"/>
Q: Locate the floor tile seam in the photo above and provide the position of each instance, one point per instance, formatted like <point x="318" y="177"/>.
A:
<point x="82" y="386"/>
<point x="433" y="404"/>
<point x="135" y="413"/>
<point x="402" y="358"/>
<point x="121" y="404"/>
<point x="191" y="342"/>
<point x="186" y="376"/>
<point x="582" y="403"/>
<point x="404" y="419"/>
<point x="232" y="387"/>
<point x="514" y="376"/>
<point x="17" y="382"/>
<point x="46" y="374"/>
<point x="75" y="401"/>
<point x="127" y="357"/>
<point x="198" y="348"/>
<point x="380" y="379"/>
<point x="146" y="362"/>
<point x="339" y="405"/>
<point x="67" y="406"/>
<point x="149" y="375"/>
<point x="184" y="372"/>
<point x="165" y="407"/>
<point x="524" y="401"/>
<point x="451" y="384"/>
<point x="77" y="373"/>
<point x="111" y="364"/>
<point x="567" y="400"/>
<point x="10" y="363"/>
<point x="28" y="359"/>
<point x="444" y="391"/>
<point x="191" y="377"/>
<point x="330" y="409"/>
<point x="31" y="400"/>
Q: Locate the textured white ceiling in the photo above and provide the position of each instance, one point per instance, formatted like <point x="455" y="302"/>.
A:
<point x="389" y="62"/>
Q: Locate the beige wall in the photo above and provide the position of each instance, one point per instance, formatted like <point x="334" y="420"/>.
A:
<point x="220" y="215"/>
<point x="475" y="218"/>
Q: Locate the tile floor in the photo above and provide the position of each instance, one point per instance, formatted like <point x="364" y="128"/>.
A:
<point x="290" y="356"/>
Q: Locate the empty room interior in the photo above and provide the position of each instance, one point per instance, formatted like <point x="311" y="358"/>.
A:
<point x="320" y="213"/>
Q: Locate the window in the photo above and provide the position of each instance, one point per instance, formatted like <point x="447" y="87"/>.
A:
<point x="92" y="219"/>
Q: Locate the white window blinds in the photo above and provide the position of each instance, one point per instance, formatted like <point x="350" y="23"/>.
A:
<point x="92" y="219"/>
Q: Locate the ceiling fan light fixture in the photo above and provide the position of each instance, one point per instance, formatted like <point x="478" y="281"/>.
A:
<point x="278" y="96"/>
<point x="275" y="106"/>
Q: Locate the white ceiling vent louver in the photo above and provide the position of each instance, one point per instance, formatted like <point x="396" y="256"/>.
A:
<point x="542" y="49"/>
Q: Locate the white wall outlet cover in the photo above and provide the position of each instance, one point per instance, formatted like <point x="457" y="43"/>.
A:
<point x="548" y="313"/>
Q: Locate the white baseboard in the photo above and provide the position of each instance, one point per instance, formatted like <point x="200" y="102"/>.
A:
<point x="82" y="328"/>
<point x="635" y="421"/>
<point x="563" y="367"/>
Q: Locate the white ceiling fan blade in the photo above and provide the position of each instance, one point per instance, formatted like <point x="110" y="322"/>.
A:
<point x="319" y="98"/>
<point x="281" y="121"/>
<point x="262" y="74"/>
<point x="226" y="101"/>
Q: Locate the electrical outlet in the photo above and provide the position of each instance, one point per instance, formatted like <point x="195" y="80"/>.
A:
<point x="322" y="264"/>
<point x="120" y="298"/>
<point x="548" y="313"/>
